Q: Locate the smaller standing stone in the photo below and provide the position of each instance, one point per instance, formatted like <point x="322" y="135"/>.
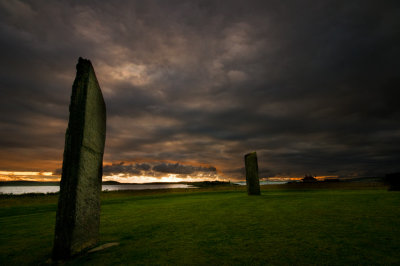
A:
<point x="252" y="181"/>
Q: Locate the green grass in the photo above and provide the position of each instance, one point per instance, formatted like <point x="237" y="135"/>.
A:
<point x="284" y="226"/>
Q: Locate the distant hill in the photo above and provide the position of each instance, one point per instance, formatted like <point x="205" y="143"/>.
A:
<point x="28" y="183"/>
<point x="111" y="183"/>
<point x="37" y="183"/>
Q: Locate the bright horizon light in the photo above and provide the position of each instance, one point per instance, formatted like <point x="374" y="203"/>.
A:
<point x="121" y="178"/>
<point x="24" y="173"/>
<point x="163" y="179"/>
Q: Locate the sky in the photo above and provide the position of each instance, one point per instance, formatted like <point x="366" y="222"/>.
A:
<point x="192" y="86"/>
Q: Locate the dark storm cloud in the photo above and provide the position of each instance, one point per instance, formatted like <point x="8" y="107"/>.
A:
<point x="125" y="169"/>
<point x="153" y="169"/>
<point x="311" y="85"/>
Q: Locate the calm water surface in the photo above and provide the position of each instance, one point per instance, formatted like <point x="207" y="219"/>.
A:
<point x="17" y="190"/>
<point x="243" y="183"/>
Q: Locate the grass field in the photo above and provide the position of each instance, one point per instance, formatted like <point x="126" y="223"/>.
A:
<point x="286" y="225"/>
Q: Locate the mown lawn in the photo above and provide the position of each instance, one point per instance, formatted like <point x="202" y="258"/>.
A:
<point x="280" y="227"/>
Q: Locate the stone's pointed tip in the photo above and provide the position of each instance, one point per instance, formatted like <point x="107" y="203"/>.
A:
<point x="82" y="60"/>
<point x="83" y="65"/>
<point x="251" y="153"/>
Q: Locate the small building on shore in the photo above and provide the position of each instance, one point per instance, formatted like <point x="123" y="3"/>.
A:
<point x="309" y="179"/>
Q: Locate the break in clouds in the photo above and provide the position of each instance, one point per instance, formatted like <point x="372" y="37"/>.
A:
<point x="312" y="86"/>
<point x="158" y="170"/>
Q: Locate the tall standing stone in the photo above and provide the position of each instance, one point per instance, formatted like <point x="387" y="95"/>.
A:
<point x="252" y="181"/>
<point x="78" y="213"/>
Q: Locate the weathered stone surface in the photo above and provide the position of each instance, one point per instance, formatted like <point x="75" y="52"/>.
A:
<point x="252" y="181"/>
<point x="78" y="213"/>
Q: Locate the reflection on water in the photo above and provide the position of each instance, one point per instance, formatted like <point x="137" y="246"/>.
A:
<point x="243" y="183"/>
<point x="144" y="186"/>
<point x="17" y="190"/>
